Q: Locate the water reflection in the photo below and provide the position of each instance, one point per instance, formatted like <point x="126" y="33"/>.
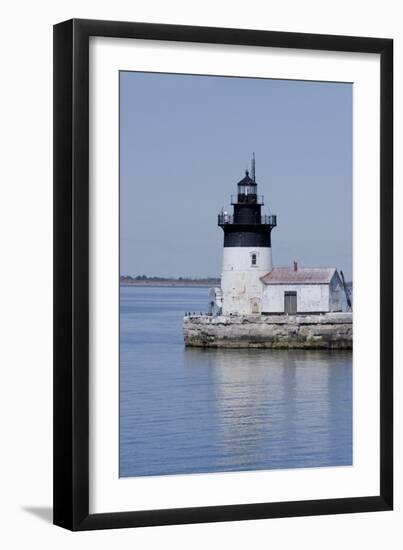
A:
<point x="280" y="408"/>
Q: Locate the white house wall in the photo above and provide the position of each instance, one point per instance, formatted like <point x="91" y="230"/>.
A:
<point x="311" y="298"/>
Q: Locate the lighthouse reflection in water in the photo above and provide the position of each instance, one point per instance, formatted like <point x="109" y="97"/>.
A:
<point x="186" y="411"/>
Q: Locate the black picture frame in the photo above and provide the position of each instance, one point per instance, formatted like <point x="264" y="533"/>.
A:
<point x="71" y="274"/>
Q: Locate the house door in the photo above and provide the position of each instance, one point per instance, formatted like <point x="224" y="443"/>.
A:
<point x="290" y="302"/>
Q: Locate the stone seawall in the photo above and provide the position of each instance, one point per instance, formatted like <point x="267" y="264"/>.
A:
<point x="322" y="331"/>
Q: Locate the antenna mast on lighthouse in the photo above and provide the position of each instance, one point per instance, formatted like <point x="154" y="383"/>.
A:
<point x="253" y="168"/>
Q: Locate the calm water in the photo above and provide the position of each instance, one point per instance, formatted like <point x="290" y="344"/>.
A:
<point x="193" y="410"/>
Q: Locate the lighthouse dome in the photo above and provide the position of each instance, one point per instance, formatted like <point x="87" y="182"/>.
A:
<point x="247" y="180"/>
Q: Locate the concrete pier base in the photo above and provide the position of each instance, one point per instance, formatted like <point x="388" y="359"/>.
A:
<point x="319" y="331"/>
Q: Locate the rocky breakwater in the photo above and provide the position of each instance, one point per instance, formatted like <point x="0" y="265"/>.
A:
<point x="319" y="331"/>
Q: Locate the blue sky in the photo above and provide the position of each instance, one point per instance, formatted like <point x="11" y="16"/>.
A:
<point x="185" y="141"/>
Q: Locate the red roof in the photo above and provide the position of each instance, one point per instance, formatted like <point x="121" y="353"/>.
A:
<point x="303" y="275"/>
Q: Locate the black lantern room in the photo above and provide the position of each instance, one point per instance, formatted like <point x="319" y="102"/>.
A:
<point x="247" y="226"/>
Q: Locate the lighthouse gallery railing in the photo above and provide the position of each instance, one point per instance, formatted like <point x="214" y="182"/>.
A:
<point x="266" y="219"/>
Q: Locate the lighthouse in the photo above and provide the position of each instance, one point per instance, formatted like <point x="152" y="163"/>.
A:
<point x="247" y="253"/>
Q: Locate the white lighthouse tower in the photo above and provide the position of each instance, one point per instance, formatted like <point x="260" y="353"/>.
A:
<point x="247" y="249"/>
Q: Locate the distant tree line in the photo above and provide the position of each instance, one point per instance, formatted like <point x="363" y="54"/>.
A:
<point x="154" y="278"/>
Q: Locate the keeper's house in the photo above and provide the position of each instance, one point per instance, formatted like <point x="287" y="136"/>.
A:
<point x="302" y="290"/>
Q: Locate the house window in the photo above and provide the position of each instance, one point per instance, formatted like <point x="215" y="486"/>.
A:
<point x="253" y="259"/>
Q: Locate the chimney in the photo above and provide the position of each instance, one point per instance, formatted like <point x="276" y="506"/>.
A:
<point x="295" y="266"/>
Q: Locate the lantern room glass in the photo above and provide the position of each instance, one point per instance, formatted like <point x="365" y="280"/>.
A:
<point x="247" y="189"/>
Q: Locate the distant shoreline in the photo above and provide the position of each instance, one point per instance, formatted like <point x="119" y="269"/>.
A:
<point x="185" y="283"/>
<point x="178" y="283"/>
